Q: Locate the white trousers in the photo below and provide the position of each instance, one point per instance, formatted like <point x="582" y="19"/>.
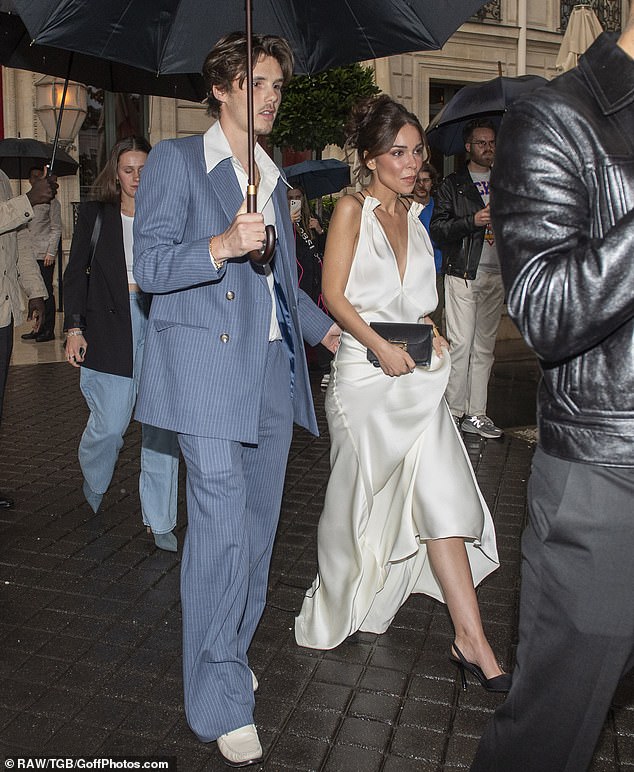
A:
<point x="472" y="315"/>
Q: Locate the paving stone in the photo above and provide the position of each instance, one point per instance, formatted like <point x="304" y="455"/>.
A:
<point x="30" y="732"/>
<point x="384" y="681"/>
<point x="381" y="707"/>
<point x="320" y="695"/>
<point x="335" y="672"/>
<point x="364" y="733"/>
<point x="105" y="711"/>
<point x="347" y="759"/>
<point x="59" y="703"/>
<point x="84" y="740"/>
<point x="415" y="743"/>
<point x="427" y="714"/>
<point x="399" y="764"/>
<point x="320" y="724"/>
<point x="273" y="713"/>
<point x="302" y="754"/>
<point x="90" y="623"/>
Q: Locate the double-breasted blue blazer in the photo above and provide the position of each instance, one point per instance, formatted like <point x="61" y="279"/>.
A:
<point x="207" y="337"/>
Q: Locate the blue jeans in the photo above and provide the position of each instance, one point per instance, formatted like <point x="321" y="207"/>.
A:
<point x="111" y="401"/>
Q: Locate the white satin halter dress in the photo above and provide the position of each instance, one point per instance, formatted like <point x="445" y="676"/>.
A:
<point x="400" y="474"/>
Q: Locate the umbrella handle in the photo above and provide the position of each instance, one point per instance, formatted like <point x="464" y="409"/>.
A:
<point x="260" y="256"/>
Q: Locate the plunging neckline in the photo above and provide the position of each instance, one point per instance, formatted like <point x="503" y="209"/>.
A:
<point x="389" y="243"/>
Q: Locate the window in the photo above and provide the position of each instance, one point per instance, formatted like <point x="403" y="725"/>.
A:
<point x="608" y="12"/>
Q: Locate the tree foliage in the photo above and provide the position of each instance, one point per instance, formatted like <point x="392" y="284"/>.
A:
<point x="315" y="107"/>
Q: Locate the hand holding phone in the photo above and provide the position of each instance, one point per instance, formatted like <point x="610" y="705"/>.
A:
<point x="295" y="207"/>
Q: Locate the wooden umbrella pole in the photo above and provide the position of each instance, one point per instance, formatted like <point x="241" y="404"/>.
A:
<point x="251" y="186"/>
<point x="258" y="256"/>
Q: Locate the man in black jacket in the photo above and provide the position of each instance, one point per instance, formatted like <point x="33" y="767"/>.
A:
<point x="474" y="295"/>
<point x="563" y="212"/>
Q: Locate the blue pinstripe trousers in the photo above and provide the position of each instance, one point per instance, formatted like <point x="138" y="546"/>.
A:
<point x="234" y="493"/>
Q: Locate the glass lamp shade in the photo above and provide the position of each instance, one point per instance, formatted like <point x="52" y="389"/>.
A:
<point x="48" y="99"/>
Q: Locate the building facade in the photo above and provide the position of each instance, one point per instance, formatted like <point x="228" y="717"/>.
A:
<point x="508" y="37"/>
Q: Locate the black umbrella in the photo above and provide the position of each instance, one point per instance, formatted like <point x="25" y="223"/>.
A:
<point x="17" y="51"/>
<point x="320" y="177"/>
<point x="19" y="155"/>
<point x="174" y="36"/>
<point x="482" y="100"/>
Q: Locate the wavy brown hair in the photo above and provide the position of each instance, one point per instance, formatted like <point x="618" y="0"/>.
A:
<point x="228" y="61"/>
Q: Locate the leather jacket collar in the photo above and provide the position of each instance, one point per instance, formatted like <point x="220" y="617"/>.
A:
<point x="465" y="182"/>
<point x="598" y="66"/>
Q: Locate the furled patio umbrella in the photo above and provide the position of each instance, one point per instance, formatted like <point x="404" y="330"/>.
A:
<point x="174" y="36"/>
<point x="18" y="155"/>
<point x="582" y="30"/>
<point x="489" y="99"/>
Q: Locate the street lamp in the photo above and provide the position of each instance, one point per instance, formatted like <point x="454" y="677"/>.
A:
<point x="48" y="100"/>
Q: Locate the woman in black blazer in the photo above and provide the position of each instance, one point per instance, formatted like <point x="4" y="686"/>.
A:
<point x="105" y="320"/>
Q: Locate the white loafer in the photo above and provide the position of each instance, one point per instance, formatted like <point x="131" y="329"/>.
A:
<point x="240" y="747"/>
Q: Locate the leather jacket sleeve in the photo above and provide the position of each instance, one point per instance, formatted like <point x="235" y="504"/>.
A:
<point x="448" y="223"/>
<point x="569" y="281"/>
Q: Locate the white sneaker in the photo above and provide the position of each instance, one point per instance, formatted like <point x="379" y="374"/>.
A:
<point x="480" y="424"/>
<point x="241" y="747"/>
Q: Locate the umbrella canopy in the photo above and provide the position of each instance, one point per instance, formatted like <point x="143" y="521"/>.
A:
<point x="582" y="30"/>
<point x="319" y="178"/>
<point x="19" y="155"/>
<point x="483" y="100"/>
<point x="174" y="36"/>
<point x="16" y="51"/>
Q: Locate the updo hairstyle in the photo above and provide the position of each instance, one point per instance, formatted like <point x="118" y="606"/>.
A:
<point x="373" y="125"/>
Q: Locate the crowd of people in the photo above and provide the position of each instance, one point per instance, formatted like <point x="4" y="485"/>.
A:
<point x="171" y="312"/>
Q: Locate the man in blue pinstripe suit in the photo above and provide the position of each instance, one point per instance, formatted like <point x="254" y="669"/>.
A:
<point x="224" y="367"/>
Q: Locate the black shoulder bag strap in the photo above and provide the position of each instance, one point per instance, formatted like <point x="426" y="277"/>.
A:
<point x="96" y="230"/>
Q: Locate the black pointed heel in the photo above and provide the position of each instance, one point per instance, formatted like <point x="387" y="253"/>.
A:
<point x="500" y="683"/>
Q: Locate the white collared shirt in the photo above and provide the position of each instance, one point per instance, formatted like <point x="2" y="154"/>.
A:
<point x="217" y="149"/>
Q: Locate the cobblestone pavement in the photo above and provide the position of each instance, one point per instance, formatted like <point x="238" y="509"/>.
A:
<point x="90" y="615"/>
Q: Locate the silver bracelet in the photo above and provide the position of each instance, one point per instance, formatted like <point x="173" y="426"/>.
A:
<point x="74" y="332"/>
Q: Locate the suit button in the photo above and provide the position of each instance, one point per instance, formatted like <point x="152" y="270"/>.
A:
<point x="224" y="338"/>
<point x="230" y="295"/>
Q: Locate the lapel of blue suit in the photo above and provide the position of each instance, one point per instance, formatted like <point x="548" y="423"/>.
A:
<point x="226" y="189"/>
<point x="285" y="285"/>
<point x="285" y="241"/>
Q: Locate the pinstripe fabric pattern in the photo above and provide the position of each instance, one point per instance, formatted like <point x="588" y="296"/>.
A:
<point x="208" y="333"/>
<point x="210" y="373"/>
<point x="234" y="493"/>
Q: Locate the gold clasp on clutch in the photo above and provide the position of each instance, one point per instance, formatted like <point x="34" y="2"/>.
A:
<point x="400" y="343"/>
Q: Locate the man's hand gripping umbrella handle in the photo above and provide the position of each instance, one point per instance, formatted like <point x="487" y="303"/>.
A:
<point x="260" y="256"/>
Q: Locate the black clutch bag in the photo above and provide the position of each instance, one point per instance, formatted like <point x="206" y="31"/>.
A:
<point x="416" y="339"/>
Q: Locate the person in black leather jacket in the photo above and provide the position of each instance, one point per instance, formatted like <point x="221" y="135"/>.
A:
<point x="474" y="294"/>
<point x="563" y="212"/>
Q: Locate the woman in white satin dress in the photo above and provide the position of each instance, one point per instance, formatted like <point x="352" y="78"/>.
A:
<point x="403" y="512"/>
